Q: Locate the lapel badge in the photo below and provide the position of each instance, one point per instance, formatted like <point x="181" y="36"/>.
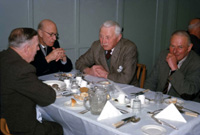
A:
<point x="120" y="69"/>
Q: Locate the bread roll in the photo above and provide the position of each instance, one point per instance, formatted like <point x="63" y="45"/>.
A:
<point x="73" y="102"/>
<point x="83" y="89"/>
<point x="84" y="94"/>
<point x="78" y="97"/>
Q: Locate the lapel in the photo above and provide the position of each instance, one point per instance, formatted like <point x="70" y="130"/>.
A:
<point x="102" y="59"/>
<point x="49" y="49"/>
<point x="186" y="62"/>
<point x="115" y="54"/>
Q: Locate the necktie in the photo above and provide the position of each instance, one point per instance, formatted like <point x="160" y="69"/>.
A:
<point x="108" y="54"/>
<point x="167" y="84"/>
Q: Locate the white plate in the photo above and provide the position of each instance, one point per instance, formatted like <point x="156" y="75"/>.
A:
<point x="60" y="84"/>
<point x="178" y="101"/>
<point x="78" y="103"/>
<point x="104" y="82"/>
<point x="153" y="130"/>
<point x="70" y="75"/>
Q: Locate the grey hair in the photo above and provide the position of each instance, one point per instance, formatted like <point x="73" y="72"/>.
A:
<point x="182" y="33"/>
<point x="19" y="36"/>
<point x="111" y="23"/>
<point x="193" y="26"/>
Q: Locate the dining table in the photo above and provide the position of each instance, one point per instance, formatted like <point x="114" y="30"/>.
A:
<point x="76" y="123"/>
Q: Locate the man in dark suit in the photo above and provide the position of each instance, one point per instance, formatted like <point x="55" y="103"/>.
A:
<point x="50" y="58"/>
<point x="177" y="71"/>
<point x="194" y="31"/>
<point x="20" y="88"/>
<point x="111" y="57"/>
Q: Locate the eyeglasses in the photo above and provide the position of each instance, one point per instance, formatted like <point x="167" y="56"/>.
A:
<point x="51" y="34"/>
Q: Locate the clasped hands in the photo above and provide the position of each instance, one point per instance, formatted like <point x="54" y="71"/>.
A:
<point x="172" y="61"/>
<point x="56" y="54"/>
<point x="96" y="70"/>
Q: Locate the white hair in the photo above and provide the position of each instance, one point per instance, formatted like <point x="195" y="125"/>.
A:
<point x="111" y="23"/>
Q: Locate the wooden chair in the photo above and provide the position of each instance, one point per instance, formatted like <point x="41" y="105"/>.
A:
<point x="141" y="74"/>
<point x="4" y="127"/>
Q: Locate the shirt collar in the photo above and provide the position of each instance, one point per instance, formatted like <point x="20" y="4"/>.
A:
<point x="181" y="61"/>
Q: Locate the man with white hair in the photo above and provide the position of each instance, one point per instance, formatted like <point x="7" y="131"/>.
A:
<point x="111" y="57"/>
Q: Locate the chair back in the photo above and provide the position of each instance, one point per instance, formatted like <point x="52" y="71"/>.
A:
<point x="4" y="127"/>
<point x="141" y="74"/>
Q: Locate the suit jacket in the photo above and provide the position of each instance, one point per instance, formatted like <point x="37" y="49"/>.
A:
<point x="43" y="68"/>
<point x="196" y="43"/>
<point x="20" y="92"/>
<point x="185" y="81"/>
<point x="122" y="63"/>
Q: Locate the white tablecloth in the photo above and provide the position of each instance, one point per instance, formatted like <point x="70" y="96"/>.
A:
<point x="75" y="123"/>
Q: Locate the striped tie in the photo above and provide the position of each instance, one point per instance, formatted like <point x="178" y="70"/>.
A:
<point x="167" y="84"/>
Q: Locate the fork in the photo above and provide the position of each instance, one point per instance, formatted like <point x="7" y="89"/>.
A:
<point x="122" y="110"/>
<point x="83" y="112"/>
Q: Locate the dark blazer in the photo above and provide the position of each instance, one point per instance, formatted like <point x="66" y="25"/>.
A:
<point x="43" y="68"/>
<point x="196" y="43"/>
<point x="185" y="81"/>
<point x="122" y="63"/>
<point x="20" y="92"/>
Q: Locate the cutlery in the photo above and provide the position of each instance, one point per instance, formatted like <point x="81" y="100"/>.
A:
<point x="188" y="113"/>
<point x="161" y="121"/>
<point x="181" y="107"/>
<point x="122" y="111"/>
<point x="83" y="112"/>
<point x="139" y="93"/>
<point x="125" y="121"/>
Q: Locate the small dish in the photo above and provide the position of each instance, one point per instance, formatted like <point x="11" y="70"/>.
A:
<point x="153" y="130"/>
<point x="61" y="85"/>
<point x="71" y="103"/>
<point x="104" y="82"/>
<point x="174" y="100"/>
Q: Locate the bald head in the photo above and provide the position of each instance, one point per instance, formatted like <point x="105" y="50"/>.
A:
<point x="194" y="27"/>
<point x="45" y="23"/>
<point x="47" y="32"/>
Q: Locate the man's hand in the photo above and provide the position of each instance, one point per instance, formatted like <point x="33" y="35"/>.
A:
<point x="56" y="54"/>
<point x="172" y="61"/>
<point x="96" y="70"/>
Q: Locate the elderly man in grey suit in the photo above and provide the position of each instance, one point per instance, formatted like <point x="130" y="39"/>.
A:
<point x="20" y="88"/>
<point x="177" y="71"/>
<point x="110" y="57"/>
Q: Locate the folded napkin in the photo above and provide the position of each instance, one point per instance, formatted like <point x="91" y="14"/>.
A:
<point x="109" y="111"/>
<point x="171" y="113"/>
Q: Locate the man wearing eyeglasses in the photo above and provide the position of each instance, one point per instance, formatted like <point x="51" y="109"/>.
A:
<point x="50" y="58"/>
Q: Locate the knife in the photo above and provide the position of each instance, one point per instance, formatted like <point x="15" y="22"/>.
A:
<point x="140" y="93"/>
<point x="181" y="107"/>
<point x="163" y="122"/>
<point x="188" y="113"/>
<point x="123" y="121"/>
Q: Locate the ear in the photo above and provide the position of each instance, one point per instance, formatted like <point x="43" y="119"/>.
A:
<point x="39" y="32"/>
<point x="119" y="37"/>
<point x="26" y="49"/>
<point x="190" y="47"/>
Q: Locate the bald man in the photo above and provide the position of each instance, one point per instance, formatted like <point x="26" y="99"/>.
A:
<point x="194" y="31"/>
<point x="50" y="58"/>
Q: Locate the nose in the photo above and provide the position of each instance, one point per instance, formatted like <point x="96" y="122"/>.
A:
<point x="174" y="50"/>
<point x="104" y="41"/>
<point x="54" y="37"/>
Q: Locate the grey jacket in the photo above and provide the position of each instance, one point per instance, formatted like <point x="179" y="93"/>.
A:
<point x="122" y="64"/>
<point x="185" y="81"/>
